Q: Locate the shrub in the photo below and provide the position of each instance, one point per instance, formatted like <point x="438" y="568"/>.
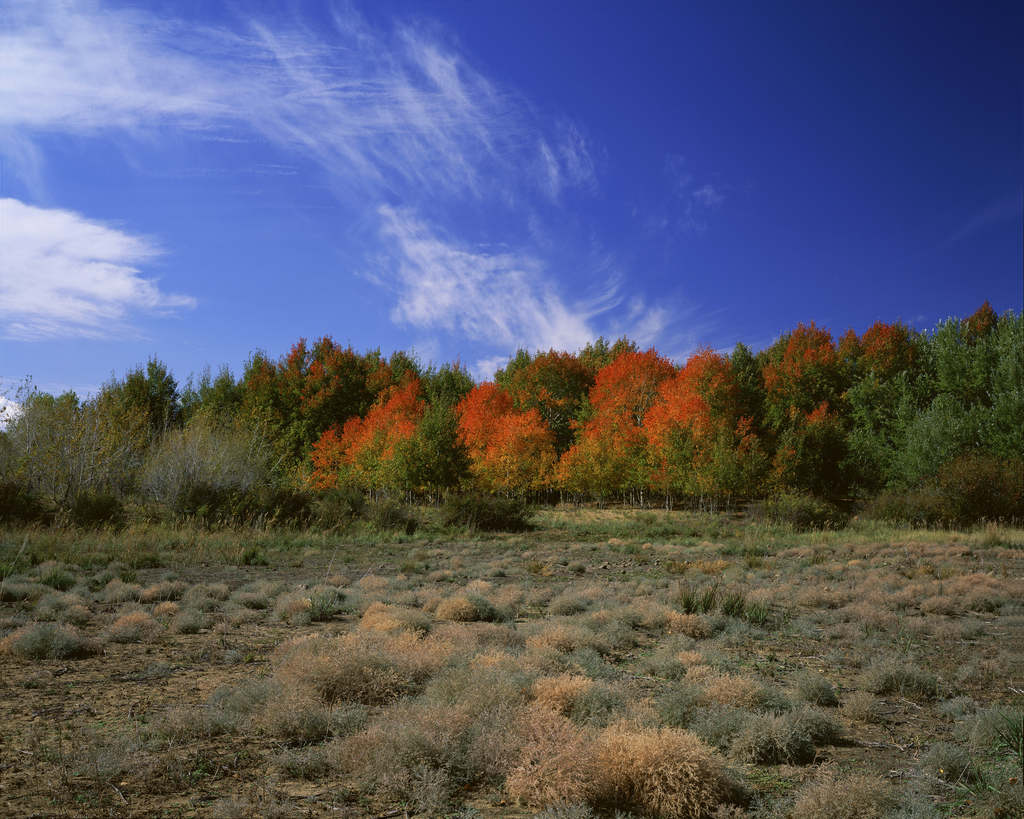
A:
<point x="135" y="627"/>
<point x="719" y="725"/>
<point x="48" y="641"/>
<point x="657" y="772"/>
<point x="337" y="508"/>
<point x="770" y="739"/>
<point x="90" y="509"/>
<point x="821" y="727"/>
<point x="950" y="763"/>
<point x="678" y="707"/>
<point x="390" y="514"/>
<point x="894" y="677"/>
<point x="466" y="608"/>
<point x="863" y="707"/>
<point x="803" y="511"/>
<point x="19" y="504"/>
<point x="844" y="796"/>
<point x="815" y="689"/>
<point x="486" y="513"/>
<point x="965" y="491"/>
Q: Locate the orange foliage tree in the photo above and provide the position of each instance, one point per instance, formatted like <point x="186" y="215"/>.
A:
<point x="371" y="452"/>
<point x="553" y="383"/>
<point x="699" y="445"/>
<point x="804" y="383"/>
<point x="509" y="451"/>
<point x="611" y="454"/>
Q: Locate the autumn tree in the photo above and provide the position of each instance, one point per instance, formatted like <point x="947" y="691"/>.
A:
<point x="611" y="452"/>
<point x="219" y="396"/>
<point x="151" y="390"/>
<point x="554" y="383"/>
<point x="881" y="402"/>
<point x="509" y="450"/>
<point x="315" y="387"/>
<point x="372" y="452"/>
<point x="699" y="444"/>
<point x="805" y="410"/>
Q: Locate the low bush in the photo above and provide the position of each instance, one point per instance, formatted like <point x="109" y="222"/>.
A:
<point x="845" y="796"/>
<point x="338" y="508"/>
<point x="389" y="514"/>
<point x="801" y="510"/>
<point x="900" y="678"/>
<point x="965" y="491"/>
<point x="815" y="689"/>
<point x="18" y="504"/>
<point x="486" y="513"/>
<point x="772" y="739"/>
<point x="48" y="641"/>
<point x="950" y="763"/>
<point x="89" y="509"/>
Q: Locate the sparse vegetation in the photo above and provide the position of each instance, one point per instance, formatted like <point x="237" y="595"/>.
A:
<point x="445" y="676"/>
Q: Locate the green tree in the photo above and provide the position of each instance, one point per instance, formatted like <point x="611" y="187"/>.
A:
<point x="63" y="446"/>
<point x="151" y="390"/>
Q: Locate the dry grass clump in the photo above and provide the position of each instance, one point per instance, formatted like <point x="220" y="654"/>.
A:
<point x="417" y="752"/>
<point x="388" y="619"/>
<point x="251" y="599"/>
<point x="657" y="772"/>
<point x="478" y="636"/>
<point x="480" y="688"/>
<point x="373" y="584"/>
<point x="361" y="667"/>
<point x="950" y="763"/>
<point x="815" y="689"/>
<point x="48" y="641"/>
<point x="822" y="598"/>
<point x="189" y="621"/>
<point x="893" y="676"/>
<point x="166" y="590"/>
<point x="839" y="795"/>
<point x="941" y="604"/>
<point x="565" y="636"/>
<point x="294" y="609"/>
<point x="296" y="716"/>
<point x="863" y="707"/>
<point x="568" y="604"/>
<point x="166" y="609"/>
<point x="465" y="608"/>
<point x="654" y="771"/>
<point x="134" y="627"/>
<point x="555" y="760"/>
<point x="692" y="625"/>
<point x="561" y="693"/>
<point x="820" y="726"/>
<point x="727" y="689"/>
<point x="117" y="591"/>
<point x="772" y="739"/>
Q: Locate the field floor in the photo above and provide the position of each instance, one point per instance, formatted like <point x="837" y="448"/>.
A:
<point x="561" y="672"/>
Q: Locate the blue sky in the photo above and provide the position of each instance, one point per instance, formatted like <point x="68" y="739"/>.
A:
<point x="198" y="180"/>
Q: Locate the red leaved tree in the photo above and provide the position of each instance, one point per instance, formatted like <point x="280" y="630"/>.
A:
<point x="509" y="450"/>
<point x="371" y="452"/>
<point x="611" y="452"/>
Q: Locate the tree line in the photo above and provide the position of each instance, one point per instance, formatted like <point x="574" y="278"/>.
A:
<point x="929" y="424"/>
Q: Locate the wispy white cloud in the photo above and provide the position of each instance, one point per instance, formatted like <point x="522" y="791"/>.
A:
<point x="64" y="275"/>
<point x="1009" y="208"/>
<point x="708" y="197"/>
<point x="395" y="111"/>
<point x="502" y="299"/>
